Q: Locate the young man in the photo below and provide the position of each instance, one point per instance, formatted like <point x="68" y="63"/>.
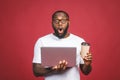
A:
<point x="61" y="38"/>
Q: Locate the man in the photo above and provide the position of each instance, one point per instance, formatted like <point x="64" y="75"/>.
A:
<point x="61" y="38"/>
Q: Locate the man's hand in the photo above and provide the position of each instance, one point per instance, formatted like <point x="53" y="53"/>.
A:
<point x="86" y="67"/>
<point x="61" y="66"/>
<point x="88" y="59"/>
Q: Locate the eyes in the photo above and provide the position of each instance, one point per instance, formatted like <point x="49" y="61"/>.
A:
<point x="57" y="21"/>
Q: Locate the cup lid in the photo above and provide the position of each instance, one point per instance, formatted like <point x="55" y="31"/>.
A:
<point x="85" y="43"/>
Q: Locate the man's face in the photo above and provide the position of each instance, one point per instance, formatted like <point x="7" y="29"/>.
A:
<point x="60" y="25"/>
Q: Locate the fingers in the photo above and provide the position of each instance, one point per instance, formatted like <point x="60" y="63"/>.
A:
<point x="88" y="57"/>
<point x="61" y="66"/>
<point x="54" y="67"/>
<point x="64" y="64"/>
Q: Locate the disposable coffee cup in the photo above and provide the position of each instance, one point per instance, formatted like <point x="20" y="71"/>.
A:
<point x="84" y="49"/>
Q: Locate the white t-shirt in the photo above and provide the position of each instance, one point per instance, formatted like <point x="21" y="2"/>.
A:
<point x="51" y="40"/>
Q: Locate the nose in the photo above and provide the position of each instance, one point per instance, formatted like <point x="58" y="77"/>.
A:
<point x="59" y="23"/>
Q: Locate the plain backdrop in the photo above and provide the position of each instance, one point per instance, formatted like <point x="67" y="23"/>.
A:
<point x="22" y="22"/>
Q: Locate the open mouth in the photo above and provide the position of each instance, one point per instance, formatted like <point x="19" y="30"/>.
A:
<point x="60" y="30"/>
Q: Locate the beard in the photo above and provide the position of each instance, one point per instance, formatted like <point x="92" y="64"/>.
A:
<point x="56" y="33"/>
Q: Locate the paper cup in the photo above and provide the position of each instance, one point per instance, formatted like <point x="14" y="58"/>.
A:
<point x="84" y="49"/>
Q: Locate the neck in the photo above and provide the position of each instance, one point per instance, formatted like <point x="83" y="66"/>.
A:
<point x="66" y="35"/>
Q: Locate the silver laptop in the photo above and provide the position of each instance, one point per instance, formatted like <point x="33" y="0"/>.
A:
<point x="52" y="55"/>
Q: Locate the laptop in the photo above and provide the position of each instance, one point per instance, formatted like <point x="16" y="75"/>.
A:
<point x="51" y="56"/>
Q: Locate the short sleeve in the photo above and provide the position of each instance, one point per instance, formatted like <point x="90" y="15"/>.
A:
<point x="79" y="58"/>
<point x="37" y="52"/>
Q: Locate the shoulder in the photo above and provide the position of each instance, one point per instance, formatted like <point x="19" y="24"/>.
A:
<point x="75" y="37"/>
<point x="43" y="38"/>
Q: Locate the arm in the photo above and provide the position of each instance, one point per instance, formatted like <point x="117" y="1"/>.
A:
<point x="40" y="70"/>
<point x="86" y="67"/>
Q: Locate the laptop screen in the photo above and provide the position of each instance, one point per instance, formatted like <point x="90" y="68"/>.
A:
<point x="51" y="56"/>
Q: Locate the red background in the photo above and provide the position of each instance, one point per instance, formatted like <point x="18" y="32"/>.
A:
<point x="22" y="22"/>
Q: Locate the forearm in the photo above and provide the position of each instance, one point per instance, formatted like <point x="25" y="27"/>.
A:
<point x="86" y="69"/>
<point x="39" y="70"/>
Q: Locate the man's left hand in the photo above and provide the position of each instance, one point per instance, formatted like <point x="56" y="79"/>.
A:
<point x="88" y="59"/>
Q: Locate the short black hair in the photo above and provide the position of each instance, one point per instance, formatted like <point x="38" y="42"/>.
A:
<point x="60" y="11"/>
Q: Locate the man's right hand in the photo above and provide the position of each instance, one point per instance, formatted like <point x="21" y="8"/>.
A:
<point x="61" y="66"/>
